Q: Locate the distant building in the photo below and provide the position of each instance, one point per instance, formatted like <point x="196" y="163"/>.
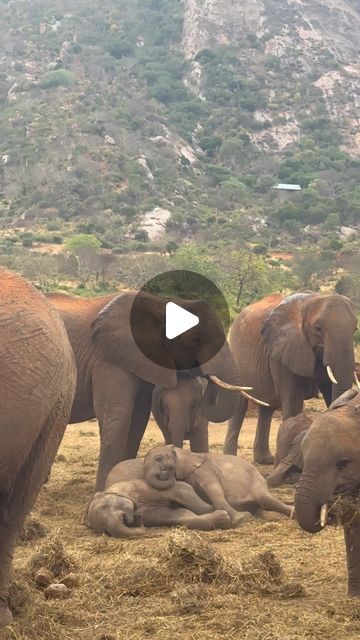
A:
<point x="287" y="187"/>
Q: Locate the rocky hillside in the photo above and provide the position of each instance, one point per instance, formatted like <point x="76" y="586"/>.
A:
<point x="132" y="119"/>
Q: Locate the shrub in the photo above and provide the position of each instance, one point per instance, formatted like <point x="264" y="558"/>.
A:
<point x="58" y="78"/>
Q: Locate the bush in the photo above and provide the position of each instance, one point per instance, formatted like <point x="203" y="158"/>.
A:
<point x="58" y="78"/>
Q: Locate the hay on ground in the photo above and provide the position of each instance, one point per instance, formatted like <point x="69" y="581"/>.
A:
<point x="32" y="529"/>
<point x="52" y="556"/>
<point x="185" y="557"/>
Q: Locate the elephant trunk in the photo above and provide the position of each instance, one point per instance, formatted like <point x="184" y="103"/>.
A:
<point x="308" y="502"/>
<point x="177" y="427"/>
<point x="219" y="404"/>
<point x="119" y="529"/>
<point x="339" y="358"/>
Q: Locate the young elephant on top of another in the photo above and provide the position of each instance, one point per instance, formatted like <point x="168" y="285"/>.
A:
<point x="143" y="493"/>
<point x="231" y="485"/>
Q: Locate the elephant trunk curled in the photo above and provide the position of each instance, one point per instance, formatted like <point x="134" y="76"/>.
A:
<point x="308" y="502"/>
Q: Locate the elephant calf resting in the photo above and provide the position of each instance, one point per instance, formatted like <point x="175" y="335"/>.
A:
<point x="143" y="493"/>
<point x="231" y="485"/>
<point x="288" y="461"/>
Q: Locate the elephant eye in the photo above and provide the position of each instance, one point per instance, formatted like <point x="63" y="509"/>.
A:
<point x="158" y="459"/>
<point x="318" y="328"/>
<point x="342" y="463"/>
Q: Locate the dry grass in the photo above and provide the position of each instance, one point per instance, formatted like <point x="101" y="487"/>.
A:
<point x="175" y="584"/>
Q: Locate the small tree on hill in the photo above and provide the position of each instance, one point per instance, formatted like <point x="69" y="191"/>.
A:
<point x="246" y="275"/>
<point x="86" y="249"/>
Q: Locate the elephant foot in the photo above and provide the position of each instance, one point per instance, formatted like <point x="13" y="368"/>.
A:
<point x="5" y="616"/>
<point x="264" y="458"/>
<point x="221" y="519"/>
<point x="240" y="518"/>
<point x="354" y="591"/>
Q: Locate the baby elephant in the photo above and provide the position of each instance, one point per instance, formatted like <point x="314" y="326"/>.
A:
<point x="177" y="411"/>
<point x="143" y="493"/>
<point x="228" y="483"/>
<point x="288" y="462"/>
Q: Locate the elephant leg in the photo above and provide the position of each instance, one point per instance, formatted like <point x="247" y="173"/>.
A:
<point x="234" y="426"/>
<point x="15" y="504"/>
<point x="114" y="392"/>
<point x="185" y="495"/>
<point x="163" y="516"/>
<point x="352" y="542"/>
<point x="199" y="437"/>
<point x="139" y="420"/>
<point x="262" y="453"/>
<point x="205" y="478"/>
<point x="279" y="474"/>
<point x="270" y="503"/>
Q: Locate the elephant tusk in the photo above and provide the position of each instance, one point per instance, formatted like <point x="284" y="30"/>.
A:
<point x="356" y="380"/>
<point x="234" y="387"/>
<point x="256" y="400"/>
<point x="324" y="514"/>
<point x="292" y="514"/>
<point x="226" y="385"/>
<point x="331" y="375"/>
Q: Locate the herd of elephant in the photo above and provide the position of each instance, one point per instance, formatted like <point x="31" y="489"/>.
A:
<point x="67" y="360"/>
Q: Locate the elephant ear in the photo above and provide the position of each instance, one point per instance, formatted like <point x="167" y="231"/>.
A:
<point x="283" y="335"/>
<point x="344" y="399"/>
<point x="111" y="331"/>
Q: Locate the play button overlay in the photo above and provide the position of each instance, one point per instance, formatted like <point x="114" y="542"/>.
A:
<point x="179" y="320"/>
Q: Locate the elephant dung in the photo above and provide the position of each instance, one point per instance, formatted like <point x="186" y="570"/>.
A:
<point x="56" y="590"/>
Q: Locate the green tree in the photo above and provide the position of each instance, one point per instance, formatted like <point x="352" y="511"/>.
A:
<point x="246" y="275"/>
<point x="86" y="250"/>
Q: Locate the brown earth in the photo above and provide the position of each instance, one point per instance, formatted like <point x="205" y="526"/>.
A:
<point x="125" y="587"/>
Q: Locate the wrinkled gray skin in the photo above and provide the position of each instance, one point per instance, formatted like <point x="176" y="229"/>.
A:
<point x="229" y="484"/>
<point x="288" y="461"/>
<point x="281" y="347"/>
<point x="177" y="411"/>
<point x="37" y="385"/>
<point x="143" y="493"/>
<point x="331" y="455"/>
<point x="116" y="380"/>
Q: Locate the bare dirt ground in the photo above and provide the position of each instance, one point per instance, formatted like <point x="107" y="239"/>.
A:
<point x="126" y="590"/>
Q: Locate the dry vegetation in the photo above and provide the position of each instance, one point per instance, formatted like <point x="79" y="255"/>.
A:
<point x="265" y="581"/>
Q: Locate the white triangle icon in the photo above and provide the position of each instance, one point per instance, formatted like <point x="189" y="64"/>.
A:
<point x="178" y="320"/>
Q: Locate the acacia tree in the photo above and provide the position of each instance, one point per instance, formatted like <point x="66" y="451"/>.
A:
<point x="86" y="250"/>
<point x="246" y="273"/>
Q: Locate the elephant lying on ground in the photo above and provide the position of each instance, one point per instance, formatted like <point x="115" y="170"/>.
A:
<point x="331" y="455"/>
<point x="116" y="380"/>
<point x="227" y="483"/>
<point x="177" y="411"/>
<point x="288" y="461"/>
<point x="144" y="493"/>
<point x="287" y="349"/>
<point x="37" y="386"/>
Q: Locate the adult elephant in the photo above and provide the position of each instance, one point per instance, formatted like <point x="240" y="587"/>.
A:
<point x="116" y="380"/>
<point x="37" y="385"/>
<point x="331" y="459"/>
<point x="289" y="348"/>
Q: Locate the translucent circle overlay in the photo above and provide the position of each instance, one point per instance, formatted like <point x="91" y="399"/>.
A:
<point x="196" y="294"/>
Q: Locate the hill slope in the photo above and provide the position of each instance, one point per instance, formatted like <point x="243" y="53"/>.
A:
<point x="199" y="107"/>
